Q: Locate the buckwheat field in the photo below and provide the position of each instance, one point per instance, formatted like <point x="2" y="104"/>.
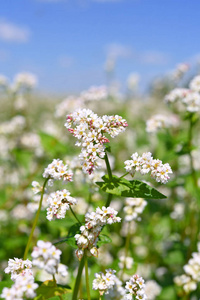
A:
<point x="99" y="150"/>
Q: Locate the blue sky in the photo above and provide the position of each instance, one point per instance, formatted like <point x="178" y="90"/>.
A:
<point x="66" y="42"/>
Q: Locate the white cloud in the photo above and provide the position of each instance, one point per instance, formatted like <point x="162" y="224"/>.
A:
<point x="13" y="33"/>
<point x="115" y="51"/>
<point x="153" y="57"/>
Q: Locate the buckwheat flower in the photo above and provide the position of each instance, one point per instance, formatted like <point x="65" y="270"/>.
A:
<point x="58" y="203"/>
<point x="46" y="256"/>
<point x="36" y="187"/>
<point x="145" y="164"/>
<point x="68" y="105"/>
<point x="58" y="171"/>
<point x="192" y="101"/>
<point x="95" y="93"/>
<point x="104" y="282"/>
<point x="117" y="292"/>
<point x="94" y="222"/>
<point x="133" y="208"/>
<point x="125" y="261"/>
<point x="89" y="129"/>
<point x="23" y="288"/>
<point x="16" y="266"/>
<point x="180" y="71"/>
<point x="195" y="84"/>
<point x="152" y="289"/>
<point x="158" y="122"/>
<point x="135" y="287"/>
<point x="14" y="126"/>
<point x="175" y="95"/>
<point x="25" y="80"/>
<point x="191" y="277"/>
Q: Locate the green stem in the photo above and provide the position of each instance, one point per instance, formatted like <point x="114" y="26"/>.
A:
<point x="108" y="166"/>
<point x="35" y="221"/>
<point x="124" y="175"/>
<point x="87" y="277"/>
<point x="74" y="215"/>
<point x="109" y="200"/>
<point x="54" y="280"/>
<point x="126" y="248"/>
<point x="110" y="177"/>
<point x="78" y="280"/>
<point x="190" y="137"/>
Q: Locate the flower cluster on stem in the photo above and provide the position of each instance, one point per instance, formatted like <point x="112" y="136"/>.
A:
<point x="89" y="129"/>
<point x="58" y="203"/>
<point x="57" y="171"/>
<point x="191" y="277"/>
<point x="145" y="164"/>
<point x="47" y="257"/>
<point x="104" y="282"/>
<point x="135" y="287"/>
<point x="22" y="275"/>
<point x="94" y="222"/>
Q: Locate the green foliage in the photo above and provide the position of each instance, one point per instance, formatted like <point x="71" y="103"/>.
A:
<point x="134" y="188"/>
<point x="70" y="240"/>
<point x="49" y="290"/>
<point x="52" y="145"/>
<point x="103" y="239"/>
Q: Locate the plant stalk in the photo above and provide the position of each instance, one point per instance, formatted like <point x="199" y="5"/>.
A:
<point x="78" y="280"/>
<point x="87" y="277"/>
<point x="35" y="220"/>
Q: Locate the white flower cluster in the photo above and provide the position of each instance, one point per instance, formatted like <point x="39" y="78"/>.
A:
<point x="191" y="277"/>
<point x="195" y="84"/>
<point x="180" y="71"/>
<point x="175" y="95"/>
<point x="3" y="81"/>
<point x="125" y="261"/>
<point x="68" y="105"/>
<point x="158" y="122"/>
<point x="46" y="256"/>
<point x="135" y="287"/>
<point x="57" y="171"/>
<point x="133" y="208"/>
<point x="152" y="289"/>
<point x="24" y="80"/>
<point x="189" y="97"/>
<point x="58" y="204"/>
<point x="36" y="187"/>
<point x="88" y="128"/>
<point x="95" y="93"/>
<point x="94" y="222"/>
<point x="16" y="266"/>
<point x="21" y="274"/>
<point x="15" y="125"/>
<point x="145" y="164"/>
<point x="104" y="282"/>
<point x="117" y="292"/>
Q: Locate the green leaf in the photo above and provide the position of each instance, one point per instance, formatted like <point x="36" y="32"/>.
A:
<point x="49" y="290"/>
<point x="7" y="283"/>
<point x="167" y="293"/>
<point x="3" y="197"/>
<point x="51" y="144"/>
<point x="22" y="157"/>
<point x="133" y="188"/>
<point x="70" y="240"/>
<point x="103" y="239"/>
